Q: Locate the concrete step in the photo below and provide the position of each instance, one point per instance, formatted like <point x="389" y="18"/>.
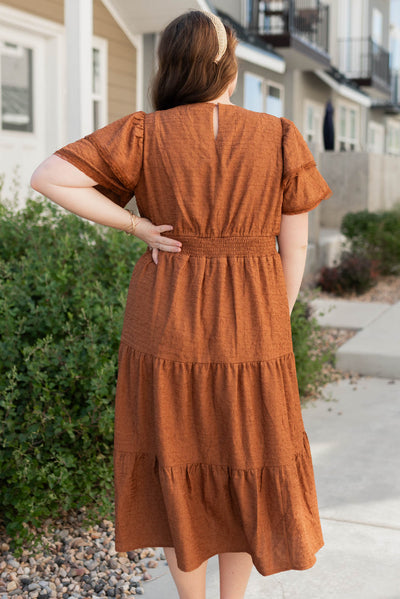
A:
<point x="346" y="314"/>
<point x="375" y="350"/>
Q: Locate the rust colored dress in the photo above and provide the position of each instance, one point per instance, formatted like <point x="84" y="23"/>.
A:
<point x="210" y="451"/>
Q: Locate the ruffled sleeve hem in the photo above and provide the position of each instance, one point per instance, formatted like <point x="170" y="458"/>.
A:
<point x="304" y="189"/>
<point x="303" y="186"/>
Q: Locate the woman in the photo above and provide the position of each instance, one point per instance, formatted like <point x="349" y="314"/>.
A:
<point x="210" y="453"/>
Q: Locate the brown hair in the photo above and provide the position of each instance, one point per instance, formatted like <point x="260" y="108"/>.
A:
<point x="186" y="71"/>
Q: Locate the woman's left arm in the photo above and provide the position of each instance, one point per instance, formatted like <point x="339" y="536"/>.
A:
<point x="66" y="185"/>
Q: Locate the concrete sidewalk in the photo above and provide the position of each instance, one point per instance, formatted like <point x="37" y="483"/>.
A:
<point x="354" y="438"/>
<point x="375" y="348"/>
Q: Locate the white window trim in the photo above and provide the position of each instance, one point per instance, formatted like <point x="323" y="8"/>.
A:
<point x="380" y="129"/>
<point x="101" y="44"/>
<point x="347" y="140"/>
<point x="395" y="126"/>
<point x="23" y="39"/>
<point x="29" y="22"/>
<point x="55" y="62"/>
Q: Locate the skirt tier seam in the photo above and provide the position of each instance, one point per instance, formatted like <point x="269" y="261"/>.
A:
<point x="230" y="469"/>
<point x="139" y="351"/>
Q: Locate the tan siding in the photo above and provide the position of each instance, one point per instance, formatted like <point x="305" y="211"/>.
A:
<point x="123" y="107"/>
<point x="121" y="53"/>
<point x="121" y="63"/>
<point x="47" y="9"/>
<point x="121" y="92"/>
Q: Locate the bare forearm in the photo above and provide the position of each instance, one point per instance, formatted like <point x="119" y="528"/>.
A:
<point x="72" y="189"/>
<point x="88" y="203"/>
<point x="293" y="264"/>
<point x="293" y="241"/>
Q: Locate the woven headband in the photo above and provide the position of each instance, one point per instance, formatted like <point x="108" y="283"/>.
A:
<point x="221" y="34"/>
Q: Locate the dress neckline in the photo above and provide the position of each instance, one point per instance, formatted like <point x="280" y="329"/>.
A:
<point x="211" y="104"/>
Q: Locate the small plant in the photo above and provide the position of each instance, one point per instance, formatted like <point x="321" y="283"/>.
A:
<point x="354" y="273"/>
<point x="311" y="350"/>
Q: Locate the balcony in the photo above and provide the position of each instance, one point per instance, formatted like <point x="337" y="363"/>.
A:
<point x="391" y="105"/>
<point x="366" y="63"/>
<point x="299" y="28"/>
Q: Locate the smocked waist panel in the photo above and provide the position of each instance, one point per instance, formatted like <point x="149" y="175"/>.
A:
<point x="240" y="245"/>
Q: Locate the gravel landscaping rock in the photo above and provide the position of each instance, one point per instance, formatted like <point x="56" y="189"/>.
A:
<point x="74" y="562"/>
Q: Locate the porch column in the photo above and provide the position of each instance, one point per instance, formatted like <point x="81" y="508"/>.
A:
<point x="78" y="18"/>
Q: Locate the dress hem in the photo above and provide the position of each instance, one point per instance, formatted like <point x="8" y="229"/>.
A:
<point x="189" y="567"/>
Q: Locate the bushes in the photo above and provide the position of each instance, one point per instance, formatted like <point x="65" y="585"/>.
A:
<point x="63" y="289"/>
<point x="373" y="248"/>
<point x="377" y="236"/>
<point x="64" y="283"/>
<point x="355" y="272"/>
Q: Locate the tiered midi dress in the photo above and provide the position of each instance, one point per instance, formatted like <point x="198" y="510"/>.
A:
<point x="210" y="450"/>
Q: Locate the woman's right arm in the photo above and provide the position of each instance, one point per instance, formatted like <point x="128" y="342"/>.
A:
<point x="293" y="242"/>
<point x="70" y="188"/>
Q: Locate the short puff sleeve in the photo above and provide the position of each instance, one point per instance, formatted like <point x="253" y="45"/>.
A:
<point x="303" y="185"/>
<point x="112" y="156"/>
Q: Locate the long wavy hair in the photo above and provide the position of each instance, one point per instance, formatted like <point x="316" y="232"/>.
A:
<point x="186" y="72"/>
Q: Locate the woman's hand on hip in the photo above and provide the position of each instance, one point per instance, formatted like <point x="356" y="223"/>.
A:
<point x="151" y="234"/>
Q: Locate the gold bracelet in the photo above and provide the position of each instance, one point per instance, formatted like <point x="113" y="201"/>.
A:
<point x="133" y="222"/>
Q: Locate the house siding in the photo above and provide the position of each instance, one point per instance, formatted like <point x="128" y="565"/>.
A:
<point x="47" y="9"/>
<point x="121" y="52"/>
<point x="121" y="63"/>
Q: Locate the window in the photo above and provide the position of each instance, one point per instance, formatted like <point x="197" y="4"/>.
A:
<point x="377" y="26"/>
<point x="393" y="138"/>
<point x="274" y="100"/>
<point x="313" y="123"/>
<point x="262" y="95"/>
<point x="99" y="83"/>
<point x="274" y="23"/>
<point x="16" y="76"/>
<point x="253" y="92"/>
<point x="375" y="138"/>
<point x="348" y="127"/>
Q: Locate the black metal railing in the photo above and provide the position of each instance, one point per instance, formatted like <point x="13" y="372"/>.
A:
<point x="308" y="19"/>
<point x="362" y="58"/>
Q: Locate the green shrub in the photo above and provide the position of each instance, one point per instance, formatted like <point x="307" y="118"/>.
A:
<point x="377" y="235"/>
<point x="63" y="286"/>
<point x="312" y="351"/>
<point x="64" y="283"/>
